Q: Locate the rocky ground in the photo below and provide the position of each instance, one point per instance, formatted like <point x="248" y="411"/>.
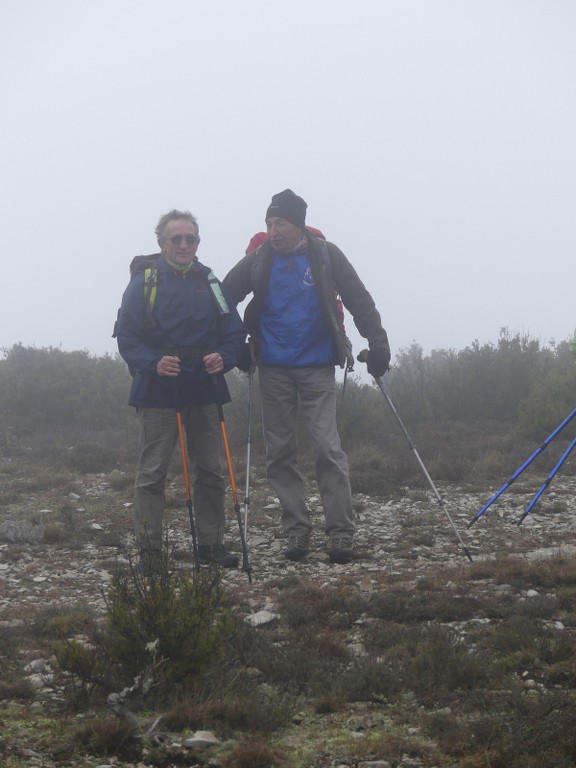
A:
<point x="409" y="535"/>
<point x="59" y="548"/>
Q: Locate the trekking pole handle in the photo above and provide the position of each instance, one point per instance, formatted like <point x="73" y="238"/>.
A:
<point x="362" y="357"/>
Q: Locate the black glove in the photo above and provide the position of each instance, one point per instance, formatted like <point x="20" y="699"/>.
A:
<point x="245" y="358"/>
<point x="377" y="362"/>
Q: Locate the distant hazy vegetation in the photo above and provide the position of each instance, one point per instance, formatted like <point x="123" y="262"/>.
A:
<point x="474" y="414"/>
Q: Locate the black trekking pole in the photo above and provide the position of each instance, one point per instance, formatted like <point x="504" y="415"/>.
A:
<point x="363" y="357"/>
<point x="245" y="560"/>
<point x="184" y="457"/>
<point x="548" y="480"/>
<point x="521" y="469"/>
<point x="187" y="486"/>
<point x="251" y="371"/>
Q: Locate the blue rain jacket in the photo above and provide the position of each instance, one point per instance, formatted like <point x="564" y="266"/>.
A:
<point x="294" y="332"/>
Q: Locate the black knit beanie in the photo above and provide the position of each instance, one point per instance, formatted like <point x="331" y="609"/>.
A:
<point x="287" y="205"/>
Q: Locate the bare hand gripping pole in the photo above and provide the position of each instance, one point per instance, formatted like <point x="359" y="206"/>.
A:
<point x="245" y="560"/>
<point x="362" y="357"/>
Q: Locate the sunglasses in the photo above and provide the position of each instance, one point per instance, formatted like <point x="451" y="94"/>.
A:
<point x="190" y="239"/>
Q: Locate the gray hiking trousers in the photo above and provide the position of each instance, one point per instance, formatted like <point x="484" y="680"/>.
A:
<point x="158" y="436"/>
<point x="285" y="394"/>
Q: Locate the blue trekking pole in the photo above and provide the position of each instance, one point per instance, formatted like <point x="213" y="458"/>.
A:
<point x="548" y="480"/>
<point x="521" y="469"/>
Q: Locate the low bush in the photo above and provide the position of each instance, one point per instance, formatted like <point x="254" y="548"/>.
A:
<point x="173" y="618"/>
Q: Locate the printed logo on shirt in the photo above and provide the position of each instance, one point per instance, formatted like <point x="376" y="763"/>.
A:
<point x="308" y="277"/>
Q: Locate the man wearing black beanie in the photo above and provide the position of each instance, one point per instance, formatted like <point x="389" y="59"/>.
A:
<point x="294" y="318"/>
<point x="286" y="205"/>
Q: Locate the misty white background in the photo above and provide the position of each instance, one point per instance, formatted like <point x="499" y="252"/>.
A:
<point x="434" y="141"/>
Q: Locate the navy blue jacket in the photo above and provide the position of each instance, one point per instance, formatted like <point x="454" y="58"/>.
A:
<point x="185" y="322"/>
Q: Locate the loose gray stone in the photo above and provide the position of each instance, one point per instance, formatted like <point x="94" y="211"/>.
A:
<point x="201" y="739"/>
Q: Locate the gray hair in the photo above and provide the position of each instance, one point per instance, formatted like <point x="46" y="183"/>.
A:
<point x="175" y="215"/>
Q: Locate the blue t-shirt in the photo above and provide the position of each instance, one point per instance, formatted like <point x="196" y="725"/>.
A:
<point x="293" y="330"/>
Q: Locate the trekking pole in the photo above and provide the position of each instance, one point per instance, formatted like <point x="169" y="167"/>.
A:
<point x="521" y="469"/>
<point x="548" y="480"/>
<point x="245" y="560"/>
<point x="251" y="371"/>
<point x="363" y="357"/>
<point x="187" y="485"/>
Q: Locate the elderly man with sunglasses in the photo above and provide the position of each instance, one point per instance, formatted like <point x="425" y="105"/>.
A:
<point x="178" y="334"/>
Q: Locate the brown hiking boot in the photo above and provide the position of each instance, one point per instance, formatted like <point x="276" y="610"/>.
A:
<point x="218" y="554"/>
<point x="297" y="547"/>
<point x="340" y="550"/>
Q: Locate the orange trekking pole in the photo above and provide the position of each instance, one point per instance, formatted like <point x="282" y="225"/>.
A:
<point x="245" y="560"/>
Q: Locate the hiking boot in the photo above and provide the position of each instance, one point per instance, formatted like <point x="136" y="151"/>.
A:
<point x="340" y="550"/>
<point x="217" y="553"/>
<point x="297" y="547"/>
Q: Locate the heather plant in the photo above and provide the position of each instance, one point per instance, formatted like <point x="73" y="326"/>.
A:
<point x="256" y="754"/>
<point x="101" y="737"/>
<point x="88" y="668"/>
<point x="14" y="687"/>
<point x="231" y="703"/>
<point x="58" y="623"/>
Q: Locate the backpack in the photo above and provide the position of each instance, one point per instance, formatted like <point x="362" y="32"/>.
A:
<point x="148" y="264"/>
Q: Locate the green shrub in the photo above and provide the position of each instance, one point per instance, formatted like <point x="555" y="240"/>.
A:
<point x="175" y="617"/>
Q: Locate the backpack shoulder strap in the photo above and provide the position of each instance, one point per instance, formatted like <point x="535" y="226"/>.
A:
<point x="217" y="294"/>
<point x="336" y="309"/>
<point x="150" y="291"/>
<point x="326" y="260"/>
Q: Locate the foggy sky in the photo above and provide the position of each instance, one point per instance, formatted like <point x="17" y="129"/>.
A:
<point x="433" y="140"/>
